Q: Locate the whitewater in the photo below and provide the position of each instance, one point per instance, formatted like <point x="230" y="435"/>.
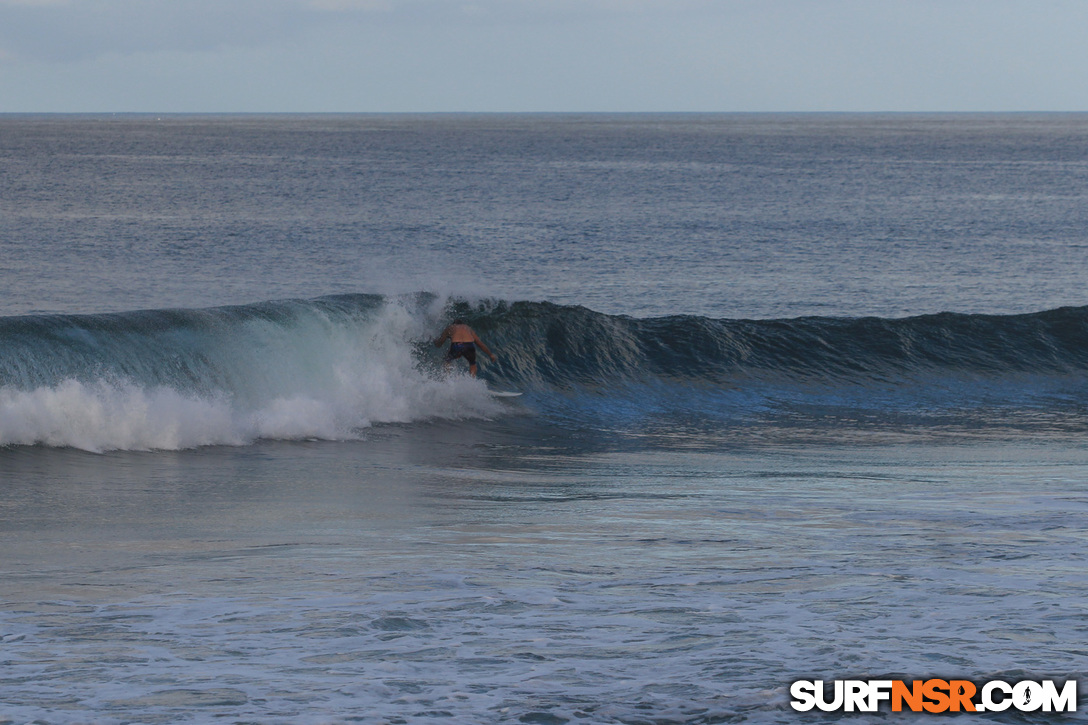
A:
<point x="177" y="379"/>
<point x="803" y="397"/>
<point x="333" y="367"/>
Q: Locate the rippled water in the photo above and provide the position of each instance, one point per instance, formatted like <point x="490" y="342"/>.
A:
<point x="336" y="581"/>
<point x="598" y="553"/>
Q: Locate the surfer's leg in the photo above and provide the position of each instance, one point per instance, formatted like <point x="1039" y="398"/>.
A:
<point x="470" y="355"/>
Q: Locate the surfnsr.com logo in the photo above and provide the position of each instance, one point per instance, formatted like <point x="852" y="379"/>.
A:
<point x="934" y="695"/>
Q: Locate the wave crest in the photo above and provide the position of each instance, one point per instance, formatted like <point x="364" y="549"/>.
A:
<point x="171" y="379"/>
<point x="331" y="367"/>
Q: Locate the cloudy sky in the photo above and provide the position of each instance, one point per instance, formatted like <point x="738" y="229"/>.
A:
<point x="543" y="55"/>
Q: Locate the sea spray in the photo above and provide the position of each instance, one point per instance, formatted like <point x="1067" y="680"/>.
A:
<point x="331" y="367"/>
<point x="177" y="379"/>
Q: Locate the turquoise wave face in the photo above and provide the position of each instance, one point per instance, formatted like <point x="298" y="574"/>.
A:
<point x="551" y="344"/>
<point x="542" y="344"/>
<point x="332" y="366"/>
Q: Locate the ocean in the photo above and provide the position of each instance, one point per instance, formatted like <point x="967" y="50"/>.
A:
<point x="804" y="397"/>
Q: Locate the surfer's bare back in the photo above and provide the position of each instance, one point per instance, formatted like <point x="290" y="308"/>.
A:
<point x="463" y="341"/>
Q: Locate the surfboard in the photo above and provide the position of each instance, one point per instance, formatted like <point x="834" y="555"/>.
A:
<point x="503" y="394"/>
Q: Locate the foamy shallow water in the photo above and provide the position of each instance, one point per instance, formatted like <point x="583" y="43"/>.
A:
<point x="402" y="579"/>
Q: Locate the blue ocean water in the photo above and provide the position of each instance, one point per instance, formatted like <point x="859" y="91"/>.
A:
<point x="804" y="397"/>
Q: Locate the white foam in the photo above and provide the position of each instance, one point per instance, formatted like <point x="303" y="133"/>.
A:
<point x="318" y="378"/>
<point x="101" y="416"/>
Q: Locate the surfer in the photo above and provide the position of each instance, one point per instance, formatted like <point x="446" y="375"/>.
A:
<point x="463" y="342"/>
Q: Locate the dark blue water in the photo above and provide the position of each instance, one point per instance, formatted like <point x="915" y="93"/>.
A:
<point x="804" y="396"/>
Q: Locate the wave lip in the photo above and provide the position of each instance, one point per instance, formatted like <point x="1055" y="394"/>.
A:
<point x="330" y="368"/>
<point x="708" y="375"/>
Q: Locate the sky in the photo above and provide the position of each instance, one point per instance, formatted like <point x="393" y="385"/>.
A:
<point x="209" y="56"/>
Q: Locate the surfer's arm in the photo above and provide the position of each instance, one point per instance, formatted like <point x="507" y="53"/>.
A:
<point x="445" y="336"/>
<point x="483" y="347"/>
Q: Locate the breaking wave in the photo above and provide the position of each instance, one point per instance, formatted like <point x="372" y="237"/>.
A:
<point x="332" y="367"/>
<point x="171" y="379"/>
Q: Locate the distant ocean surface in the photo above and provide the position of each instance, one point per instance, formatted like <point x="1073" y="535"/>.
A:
<point x="804" y="397"/>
